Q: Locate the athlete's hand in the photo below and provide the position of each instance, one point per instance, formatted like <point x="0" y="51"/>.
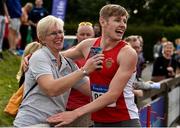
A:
<point x="94" y="63"/>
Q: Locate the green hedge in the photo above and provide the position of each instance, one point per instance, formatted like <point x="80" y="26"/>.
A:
<point x="70" y="28"/>
<point x="150" y="34"/>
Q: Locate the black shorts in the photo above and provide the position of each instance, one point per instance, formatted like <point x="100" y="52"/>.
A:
<point x="127" y="123"/>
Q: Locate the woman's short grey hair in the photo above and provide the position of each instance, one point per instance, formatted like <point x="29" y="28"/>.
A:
<point x="45" y="24"/>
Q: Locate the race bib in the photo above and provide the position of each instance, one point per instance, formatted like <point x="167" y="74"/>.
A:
<point x="98" y="90"/>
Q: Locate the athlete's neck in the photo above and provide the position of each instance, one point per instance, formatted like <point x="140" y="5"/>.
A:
<point x="107" y="43"/>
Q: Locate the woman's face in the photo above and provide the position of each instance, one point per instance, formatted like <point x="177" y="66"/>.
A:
<point x="54" y="39"/>
<point x="168" y="50"/>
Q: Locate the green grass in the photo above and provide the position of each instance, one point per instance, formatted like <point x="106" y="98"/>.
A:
<point x="8" y="84"/>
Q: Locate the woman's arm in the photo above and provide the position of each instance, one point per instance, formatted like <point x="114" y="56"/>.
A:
<point x="54" y="87"/>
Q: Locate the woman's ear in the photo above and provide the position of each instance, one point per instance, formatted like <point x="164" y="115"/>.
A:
<point x="41" y="39"/>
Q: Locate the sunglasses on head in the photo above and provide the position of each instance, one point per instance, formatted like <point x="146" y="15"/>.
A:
<point x="85" y="24"/>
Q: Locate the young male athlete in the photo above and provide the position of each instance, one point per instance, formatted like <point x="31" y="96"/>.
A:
<point x="113" y="99"/>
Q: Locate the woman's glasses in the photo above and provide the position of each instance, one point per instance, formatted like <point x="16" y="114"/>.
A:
<point x="55" y="33"/>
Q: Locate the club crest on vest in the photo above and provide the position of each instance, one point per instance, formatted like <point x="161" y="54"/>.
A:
<point x="109" y="62"/>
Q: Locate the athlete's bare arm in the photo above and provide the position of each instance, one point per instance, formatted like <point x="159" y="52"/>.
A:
<point x="81" y="50"/>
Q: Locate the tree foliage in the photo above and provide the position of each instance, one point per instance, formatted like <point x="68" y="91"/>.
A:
<point x="81" y="10"/>
<point x="163" y="12"/>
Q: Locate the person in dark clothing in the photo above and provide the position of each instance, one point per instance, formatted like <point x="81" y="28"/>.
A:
<point x="37" y="13"/>
<point x="165" y="65"/>
<point x="25" y="24"/>
<point x="97" y="29"/>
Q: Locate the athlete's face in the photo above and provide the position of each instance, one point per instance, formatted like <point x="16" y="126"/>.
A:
<point x="115" y="27"/>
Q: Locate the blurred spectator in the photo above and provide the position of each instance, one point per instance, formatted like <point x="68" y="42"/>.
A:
<point x="14" y="9"/>
<point x="97" y="29"/>
<point x="139" y="84"/>
<point x="3" y="12"/>
<point x="76" y="98"/>
<point x="157" y="49"/>
<point x="177" y="56"/>
<point x="165" y="65"/>
<point x="29" y="49"/>
<point x="5" y="40"/>
<point x="37" y="13"/>
<point x="136" y="42"/>
<point x="25" y="24"/>
<point x="141" y="60"/>
<point x="177" y="42"/>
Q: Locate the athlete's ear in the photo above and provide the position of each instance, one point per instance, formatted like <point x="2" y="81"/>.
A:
<point x="102" y="21"/>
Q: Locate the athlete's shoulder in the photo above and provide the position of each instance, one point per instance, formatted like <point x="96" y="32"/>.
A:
<point x="127" y="50"/>
<point x="89" y="40"/>
<point x="128" y="47"/>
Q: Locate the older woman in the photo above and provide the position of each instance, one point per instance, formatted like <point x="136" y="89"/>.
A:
<point x="54" y="74"/>
<point x="165" y="65"/>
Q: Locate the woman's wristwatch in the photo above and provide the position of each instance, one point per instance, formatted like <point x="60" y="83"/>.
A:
<point x="84" y="71"/>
